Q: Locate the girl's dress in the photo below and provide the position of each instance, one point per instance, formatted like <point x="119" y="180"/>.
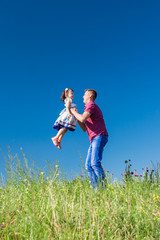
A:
<point x="63" y="120"/>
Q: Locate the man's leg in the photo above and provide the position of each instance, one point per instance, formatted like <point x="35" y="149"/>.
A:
<point x="98" y="144"/>
<point x="91" y="173"/>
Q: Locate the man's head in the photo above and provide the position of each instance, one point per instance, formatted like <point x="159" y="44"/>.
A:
<point x="89" y="95"/>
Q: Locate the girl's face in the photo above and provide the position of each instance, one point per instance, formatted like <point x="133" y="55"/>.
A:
<point x="70" y="94"/>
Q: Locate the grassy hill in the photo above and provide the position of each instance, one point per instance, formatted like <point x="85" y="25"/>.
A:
<point x="38" y="205"/>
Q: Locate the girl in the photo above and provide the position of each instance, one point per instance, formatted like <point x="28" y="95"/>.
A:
<point x="66" y="121"/>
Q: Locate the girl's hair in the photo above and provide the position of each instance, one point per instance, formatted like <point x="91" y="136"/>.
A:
<point x="65" y="93"/>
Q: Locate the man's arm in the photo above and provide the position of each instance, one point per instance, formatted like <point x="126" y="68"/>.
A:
<point x="80" y="117"/>
<point x="82" y="126"/>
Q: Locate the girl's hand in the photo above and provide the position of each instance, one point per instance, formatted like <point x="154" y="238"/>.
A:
<point x="69" y="115"/>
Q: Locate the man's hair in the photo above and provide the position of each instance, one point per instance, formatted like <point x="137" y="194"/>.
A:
<point x="93" y="92"/>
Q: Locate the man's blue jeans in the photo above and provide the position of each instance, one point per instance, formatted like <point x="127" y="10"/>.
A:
<point x="93" y="161"/>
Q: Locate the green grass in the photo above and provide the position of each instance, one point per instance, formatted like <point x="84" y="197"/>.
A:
<point x="38" y="205"/>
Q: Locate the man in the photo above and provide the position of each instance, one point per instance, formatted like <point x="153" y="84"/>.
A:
<point x="92" y="121"/>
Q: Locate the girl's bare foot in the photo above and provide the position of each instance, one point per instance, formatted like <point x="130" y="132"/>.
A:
<point x="55" y="141"/>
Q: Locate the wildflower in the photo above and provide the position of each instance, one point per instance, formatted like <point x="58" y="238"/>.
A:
<point x="135" y="170"/>
<point x="112" y="173"/>
<point x="107" y="171"/>
<point x="42" y="173"/>
<point x="126" y="161"/>
<point x="147" y="170"/>
<point x="132" y="173"/>
<point x="81" y="175"/>
<point x="2" y="226"/>
<point x="141" y="175"/>
<point x="146" y="167"/>
<point x="57" y="166"/>
<point x="136" y="175"/>
<point x="142" y="168"/>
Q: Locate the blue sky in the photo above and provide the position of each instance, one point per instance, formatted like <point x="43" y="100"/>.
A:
<point x="110" y="46"/>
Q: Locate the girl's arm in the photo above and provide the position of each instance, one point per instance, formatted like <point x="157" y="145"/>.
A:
<point x="68" y="104"/>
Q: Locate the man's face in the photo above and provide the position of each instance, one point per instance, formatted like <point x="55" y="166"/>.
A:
<point x="87" y="97"/>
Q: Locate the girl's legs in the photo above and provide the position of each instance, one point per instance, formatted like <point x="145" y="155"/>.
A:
<point x="57" y="139"/>
<point x="61" y="133"/>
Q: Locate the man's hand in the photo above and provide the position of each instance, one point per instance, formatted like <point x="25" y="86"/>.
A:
<point x="75" y="109"/>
